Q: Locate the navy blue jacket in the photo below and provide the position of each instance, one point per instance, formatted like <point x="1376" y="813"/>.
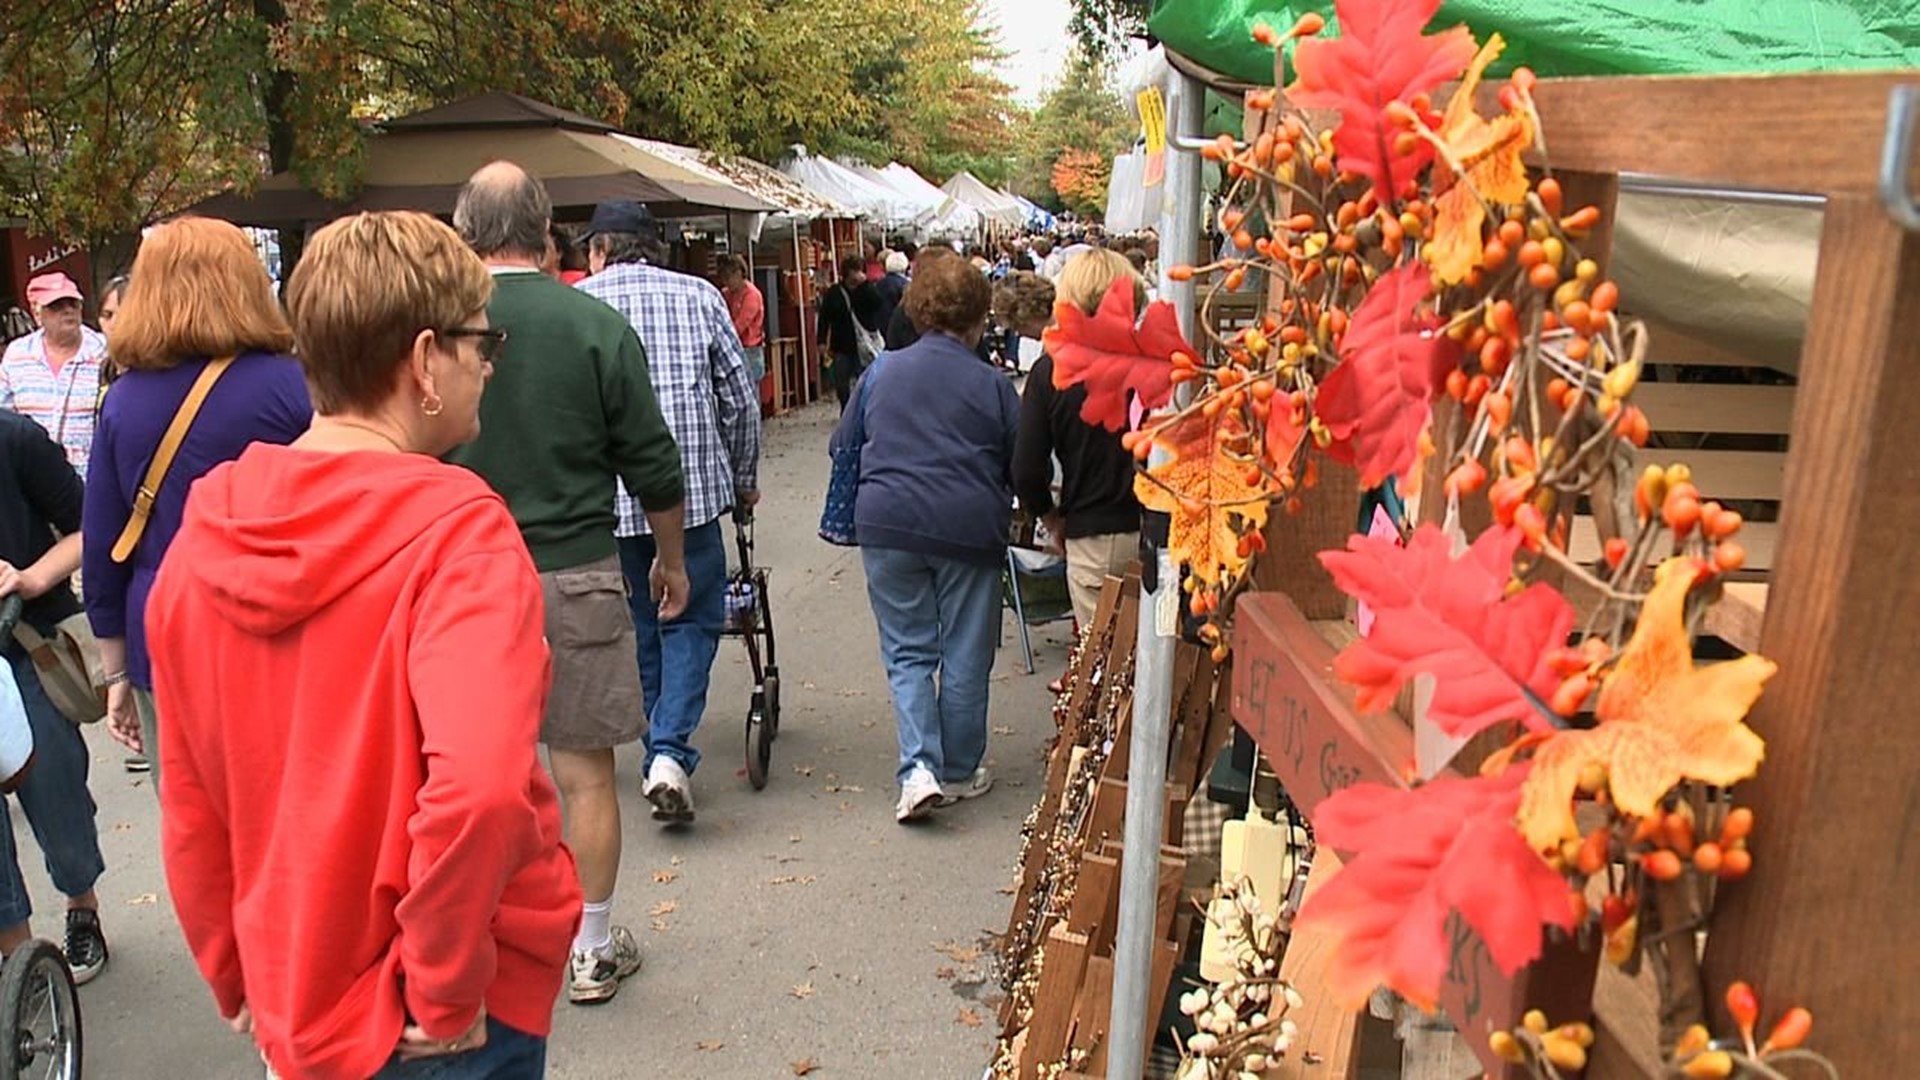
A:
<point x="936" y="466"/>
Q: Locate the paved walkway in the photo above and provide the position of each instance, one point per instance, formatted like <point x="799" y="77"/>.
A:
<point x="794" y="925"/>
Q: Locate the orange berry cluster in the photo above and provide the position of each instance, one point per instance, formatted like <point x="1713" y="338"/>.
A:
<point x="1670" y="493"/>
<point x="1666" y="845"/>
<point x="1699" y="1060"/>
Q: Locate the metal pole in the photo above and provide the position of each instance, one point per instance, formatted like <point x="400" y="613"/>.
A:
<point x="1133" y="1007"/>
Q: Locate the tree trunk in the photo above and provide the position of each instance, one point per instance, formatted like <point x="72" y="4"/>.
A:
<point x="276" y="103"/>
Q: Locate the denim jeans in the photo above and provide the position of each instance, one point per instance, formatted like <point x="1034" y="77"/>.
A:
<point x="676" y="657"/>
<point x="939" y="624"/>
<point x="508" y="1055"/>
<point x="55" y="797"/>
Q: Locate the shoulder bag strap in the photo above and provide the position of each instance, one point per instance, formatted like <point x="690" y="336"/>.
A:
<point x="163" y="457"/>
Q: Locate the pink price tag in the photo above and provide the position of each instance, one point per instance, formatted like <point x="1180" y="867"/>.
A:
<point x="1381" y="526"/>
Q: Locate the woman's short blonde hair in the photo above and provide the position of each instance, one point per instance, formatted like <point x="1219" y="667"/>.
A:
<point x="1087" y="277"/>
<point x="198" y="288"/>
<point x="1023" y="298"/>
<point x="365" y="288"/>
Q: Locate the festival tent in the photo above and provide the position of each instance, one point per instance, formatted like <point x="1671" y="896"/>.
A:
<point x="997" y="209"/>
<point x="797" y="204"/>
<point x="420" y="161"/>
<point x="936" y="212"/>
<point x="847" y="187"/>
<point x="1038" y="218"/>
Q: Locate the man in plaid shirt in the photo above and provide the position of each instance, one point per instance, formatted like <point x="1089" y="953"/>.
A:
<point x="700" y="376"/>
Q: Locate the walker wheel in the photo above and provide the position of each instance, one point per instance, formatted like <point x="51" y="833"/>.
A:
<point x="759" y="742"/>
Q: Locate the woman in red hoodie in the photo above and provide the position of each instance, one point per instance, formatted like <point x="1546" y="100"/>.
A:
<point x="363" y="849"/>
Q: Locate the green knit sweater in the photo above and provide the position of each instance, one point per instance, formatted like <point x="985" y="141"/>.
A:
<point x="570" y="407"/>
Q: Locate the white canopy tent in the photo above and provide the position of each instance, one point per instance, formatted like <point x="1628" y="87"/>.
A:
<point x="881" y="202"/>
<point x="1000" y="211"/>
<point x="936" y="213"/>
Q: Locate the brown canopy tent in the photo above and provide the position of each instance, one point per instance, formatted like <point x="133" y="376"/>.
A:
<point x="418" y="162"/>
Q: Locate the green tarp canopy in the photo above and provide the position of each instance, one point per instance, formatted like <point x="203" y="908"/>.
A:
<point x="1624" y="37"/>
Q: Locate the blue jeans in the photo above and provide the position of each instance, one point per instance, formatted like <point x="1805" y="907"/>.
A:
<point x="939" y="618"/>
<point x="676" y="657"/>
<point x="508" y="1055"/>
<point x="55" y="797"/>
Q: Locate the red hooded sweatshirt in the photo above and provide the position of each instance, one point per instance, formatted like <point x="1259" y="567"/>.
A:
<point x="348" y="653"/>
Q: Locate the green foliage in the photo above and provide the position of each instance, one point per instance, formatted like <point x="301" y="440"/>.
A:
<point x="1102" y="26"/>
<point x="1081" y="124"/>
<point x="112" y="114"/>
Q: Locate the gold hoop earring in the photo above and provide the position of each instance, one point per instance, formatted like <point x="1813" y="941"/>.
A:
<point x="431" y="405"/>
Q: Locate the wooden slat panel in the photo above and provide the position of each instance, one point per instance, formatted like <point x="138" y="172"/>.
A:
<point x="1758" y="537"/>
<point x="1828" y="908"/>
<point x="1730" y="474"/>
<point x="1717" y="408"/>
<point x="1630" y="125"/>
<point x="1738" y="617"/>
<point x="1669" y="344"/>
<point x="1326" y="1029"/>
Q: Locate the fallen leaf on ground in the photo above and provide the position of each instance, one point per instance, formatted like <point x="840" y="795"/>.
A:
<point x="969" y="1018"/>
<point x="659" y="926"/>
<point x="708" y="1045"/>
<point x="963" y="954"/>
<point x="664" y="907"/>
<point x="804" y="1066"/>
<point x="793" y="839"/>
<point x="794" y="879"/>
<point x="1002" y="729"/>
<point x="677" y="860"/>
<point x="944" y="972"/>
<point x="664" y="877"/>
<point x="803" y="770"/>
<point x="803" y="991"/>
<point x="143" y="898"/>
<point x="853" y="789"/>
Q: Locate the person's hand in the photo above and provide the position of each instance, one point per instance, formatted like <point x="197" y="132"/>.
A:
<point x="747" y="500"/>
<point x="11" y="580"/>
<point x="667" y="585"/>
<point x="242" y="1021"/>
<point x="1056" y="524"/>
<point x="415" y="1044"/>
<point x="123" y="719"/>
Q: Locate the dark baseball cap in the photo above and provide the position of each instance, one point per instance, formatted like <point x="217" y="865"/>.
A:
<point x="620" y="216"/>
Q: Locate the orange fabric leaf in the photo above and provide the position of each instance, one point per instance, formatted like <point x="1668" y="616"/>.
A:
<point x="1662" y="720"/>
<point x="1380" y="57"/>
<point x="1211" y="502"/>
<point x="1112" y="357"/>
<point x="1415" y="856"/>
<point x="1490" y="152"/>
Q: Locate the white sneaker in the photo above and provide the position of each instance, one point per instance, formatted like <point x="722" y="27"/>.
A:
<point x="669" y="790"/>
<point x="595" y="978"/>
<point x="972" y="787"/>
<point x="919" y="794"/>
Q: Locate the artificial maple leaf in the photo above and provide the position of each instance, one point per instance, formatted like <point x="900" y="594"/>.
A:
<point x="1211" y="501"/>
<point x="1450" y="618"/>
<point x="1490" y="152"/>
<point x="1111" y="356"/>
<point x="1413" y="856"/>
<point x="1379" y="58"/>
<point x="1378" y="399"/>
<point x="1662" y="720"/>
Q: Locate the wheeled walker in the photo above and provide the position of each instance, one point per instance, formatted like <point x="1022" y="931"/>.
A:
<point x="750" y="618"/>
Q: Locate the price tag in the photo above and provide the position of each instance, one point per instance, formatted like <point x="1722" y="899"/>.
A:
<point x="1153" y="124"/>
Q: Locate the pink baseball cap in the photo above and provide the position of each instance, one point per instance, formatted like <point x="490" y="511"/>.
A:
<point x="47" y="288"/>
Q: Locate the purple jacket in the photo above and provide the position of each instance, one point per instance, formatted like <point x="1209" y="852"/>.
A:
<point x="261" y="398"/>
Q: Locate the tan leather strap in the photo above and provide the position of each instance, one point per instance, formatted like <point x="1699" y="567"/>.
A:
<point x="163" y="457"/>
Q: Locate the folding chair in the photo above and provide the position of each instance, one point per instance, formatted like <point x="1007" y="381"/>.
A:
<point x="1034" y="585"/>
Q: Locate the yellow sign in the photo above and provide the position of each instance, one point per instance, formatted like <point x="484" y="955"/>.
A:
<point x="1153" y="124"/>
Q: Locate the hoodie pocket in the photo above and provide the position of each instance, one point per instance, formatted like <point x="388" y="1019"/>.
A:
<point x="593" y="608"/>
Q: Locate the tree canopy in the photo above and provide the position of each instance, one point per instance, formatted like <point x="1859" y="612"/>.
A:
<point x="114" y="113"/>
<point x="1067" y="150"/>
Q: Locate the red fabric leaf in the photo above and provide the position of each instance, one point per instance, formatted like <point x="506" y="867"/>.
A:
<point x="1450" y="618"/>
<point x="1109" y="355"/>
<point x="1413" y="856"/>
<point x="1378" y="399"/>
<point x="1380" y="57"/>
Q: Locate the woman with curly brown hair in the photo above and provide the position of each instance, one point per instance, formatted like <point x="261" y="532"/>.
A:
<point x="935" y="501"/>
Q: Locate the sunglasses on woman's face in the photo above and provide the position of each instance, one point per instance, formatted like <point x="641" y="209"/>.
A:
<point x="492" y="339"/>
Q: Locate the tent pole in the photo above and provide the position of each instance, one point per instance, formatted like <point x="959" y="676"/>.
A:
<point x="1145" y="823"/>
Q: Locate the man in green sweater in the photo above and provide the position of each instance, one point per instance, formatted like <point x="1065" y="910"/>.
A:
<point x="570" y="408"/>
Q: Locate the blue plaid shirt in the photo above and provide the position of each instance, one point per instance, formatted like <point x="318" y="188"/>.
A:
<point x="700" y="376"/>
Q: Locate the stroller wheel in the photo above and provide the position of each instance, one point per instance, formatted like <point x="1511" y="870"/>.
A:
<point x="759" y="742"/>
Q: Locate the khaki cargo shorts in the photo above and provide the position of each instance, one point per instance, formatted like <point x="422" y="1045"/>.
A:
<point x="595" y="703"/>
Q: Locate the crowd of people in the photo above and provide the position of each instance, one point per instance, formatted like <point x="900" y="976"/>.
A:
<point x="457" y="498"/>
